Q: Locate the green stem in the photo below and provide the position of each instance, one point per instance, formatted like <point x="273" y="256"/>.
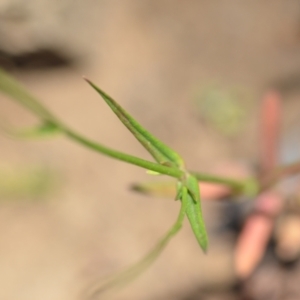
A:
<point x="132" y="272"/>
<point x="18" y="93"/>
<point x="233" y="183"/>
<point x="173" y="172"/>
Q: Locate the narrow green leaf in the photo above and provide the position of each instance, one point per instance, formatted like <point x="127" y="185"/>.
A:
<point x="193" y="187"/>
<point x="191" y="196"/>
<point x="160" y="152"/>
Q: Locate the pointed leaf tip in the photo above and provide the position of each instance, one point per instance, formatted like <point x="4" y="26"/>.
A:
<point x="86" y="79"/>
<point x="159" y="151"/>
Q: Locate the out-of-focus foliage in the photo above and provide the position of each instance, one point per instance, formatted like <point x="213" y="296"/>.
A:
<point x="29" y="183"/>
<point x="225" y="109"/>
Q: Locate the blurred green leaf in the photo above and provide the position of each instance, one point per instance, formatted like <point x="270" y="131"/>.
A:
<point x="12" y="88"/>
<point x="158" y="188"/>
<point x="225" y="109"/>
<point x="26" y="183"/>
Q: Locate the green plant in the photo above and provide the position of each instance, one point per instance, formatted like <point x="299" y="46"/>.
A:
<point x="168" y="162"/>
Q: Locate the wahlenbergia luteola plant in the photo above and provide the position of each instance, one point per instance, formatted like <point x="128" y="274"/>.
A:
<point x="168" y="162"/>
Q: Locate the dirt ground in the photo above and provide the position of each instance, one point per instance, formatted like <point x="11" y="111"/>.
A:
<point x="154" y="57"/>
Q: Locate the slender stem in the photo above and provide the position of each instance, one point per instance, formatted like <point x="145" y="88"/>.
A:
<point x="18" y="93"/>
<point x="132" y="272"/>
<point x="173" y="172"/>
<point x="233" y="183"/>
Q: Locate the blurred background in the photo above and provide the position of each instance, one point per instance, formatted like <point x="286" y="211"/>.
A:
<point x="193" y="73"/>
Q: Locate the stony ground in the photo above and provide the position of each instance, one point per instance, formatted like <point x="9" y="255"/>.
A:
<point x="154" y="57"/>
